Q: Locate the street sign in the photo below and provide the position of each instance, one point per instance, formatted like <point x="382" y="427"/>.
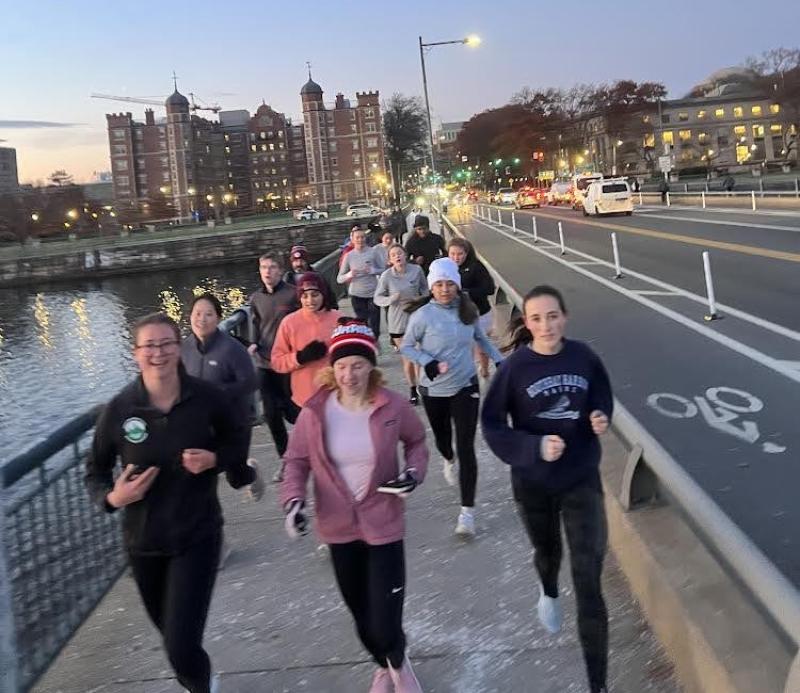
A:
<point x="464" y="158"/>
<point x="665" y="163"/>
<point x="547" y="175"/>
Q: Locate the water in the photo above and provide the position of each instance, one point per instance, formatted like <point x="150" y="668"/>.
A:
<point x="65" y="347"/>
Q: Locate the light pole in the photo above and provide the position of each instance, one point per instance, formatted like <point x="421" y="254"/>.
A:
<point x="471" y="40"/>
<point x="617" y="143"/>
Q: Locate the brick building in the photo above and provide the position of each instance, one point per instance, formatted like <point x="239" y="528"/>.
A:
<point x="9" y="181"/>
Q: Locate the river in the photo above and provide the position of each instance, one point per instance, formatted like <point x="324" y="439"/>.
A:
<point x="67" y="346"/>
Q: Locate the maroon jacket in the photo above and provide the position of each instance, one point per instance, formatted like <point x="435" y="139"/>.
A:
<point x="379" y="517"/>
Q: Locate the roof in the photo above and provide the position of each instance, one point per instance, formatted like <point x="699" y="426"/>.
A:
<point x="177" y="99"/>
<point x="311" y="87"/>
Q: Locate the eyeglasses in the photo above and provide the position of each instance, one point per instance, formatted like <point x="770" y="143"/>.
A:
<point x="151" y="348"/>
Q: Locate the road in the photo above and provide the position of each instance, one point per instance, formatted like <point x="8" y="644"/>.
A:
<point x="721" y="396"/>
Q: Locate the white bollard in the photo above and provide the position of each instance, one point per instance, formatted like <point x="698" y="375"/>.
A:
<point x="753" y="199"/>
<point x="712" y="303"/>
<point x="500" y="217"/>
<point x="535" y="231"/>
<point x="514" y="222"/>
<point x="640" y="198"/>
<point x="617" y="267"/>
<point x="703" y="196"/>
<point x="561" y="238"/>
<point x="669" y="204"/>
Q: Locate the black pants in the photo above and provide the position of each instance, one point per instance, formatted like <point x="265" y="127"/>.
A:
<point x="366" y="310"/>
<point x="276" y="396"/>
<point x="372" y="580"/>
<point x="462" y="409"/>
<point x="583" y="514"/>
<point x="176" y="591"/>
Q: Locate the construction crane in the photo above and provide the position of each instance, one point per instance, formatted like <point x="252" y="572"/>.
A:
<point x="193" y="106"/>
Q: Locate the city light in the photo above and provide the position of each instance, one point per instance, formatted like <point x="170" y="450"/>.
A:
<point x="473" y="41"/>
<point x="227" y="197"/>
<point x="210" y="198"/>
<point x="72" y="214"/>
<point x="35" y="216"/>
<point x="191" y="191"/>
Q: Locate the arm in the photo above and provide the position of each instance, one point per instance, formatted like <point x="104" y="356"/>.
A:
<point x="345" y="274"/>
<point x="232" y="443"/>
<point x="244" y="375"/>
<point x="486" y="344"/>
<point x="412" y="435"/>
<point x="422" y="283"/>
<point x="382" y="296"/>
<point x="99" y="477"/>
<point x="377" y="262"/>
<point x="297" y="461"/>
<point x="415" y="331"/>
<point x="283" y="357"/>
<point x="485" y="285"/>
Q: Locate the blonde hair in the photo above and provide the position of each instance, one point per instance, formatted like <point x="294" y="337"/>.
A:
<point x="327" y="380"/>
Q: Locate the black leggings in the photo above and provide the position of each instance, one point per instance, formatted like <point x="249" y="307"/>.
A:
<point x="366" y="310"/>
<point x="276" y="395"/>
<point x="583" y="514"/>
<point x="372" y="580"/>
<point x="176" y="591"/>
<point x="461" y="408"/>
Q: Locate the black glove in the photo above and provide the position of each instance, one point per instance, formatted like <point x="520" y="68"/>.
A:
<point x="432" y="370"/>
<point x="404" y="484"/>
<point x="296" y="523"/>
<point x="313" y="351"/>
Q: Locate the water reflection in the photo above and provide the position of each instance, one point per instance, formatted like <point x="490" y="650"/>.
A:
<point x="67" y="347"/>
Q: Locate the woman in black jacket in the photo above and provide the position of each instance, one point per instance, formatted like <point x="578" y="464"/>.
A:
<point x="479" y="285"/>
<point x="173" y="434"/>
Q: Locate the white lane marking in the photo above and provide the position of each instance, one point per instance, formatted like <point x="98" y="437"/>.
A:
<point x="656" y="293"/>
<point x="585" y="262"/>
<point x="791" y="364"/>
<point x="728" y="310"/>
<point x="741" y="211"/>
<point x="769" y="227"/>
<point x="734" y="345"/>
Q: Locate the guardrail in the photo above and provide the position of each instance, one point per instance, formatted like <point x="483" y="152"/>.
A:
<point x="754" y="199"/>
<point x="59" y="554"/>
<point x="652" y="475"/>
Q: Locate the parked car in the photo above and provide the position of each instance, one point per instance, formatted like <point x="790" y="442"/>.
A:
<point x="560" y="193"/>
<point x="310" y="214"/>
<point x="505" y="196"/>
<point x="529" y="197"/>
<point x="361" y="209"/>
<point x="609" y="196"/>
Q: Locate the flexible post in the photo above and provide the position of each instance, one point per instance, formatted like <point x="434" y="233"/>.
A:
<point x="561" y="238"/>
<point x="703" y="195"/>
<point x="753" y="199"/>
<point x="615" y="247"/>
<point x="535" y="231"/>
<point x="500" y="217"/>
<point x="712" y="302"/>
<point x="669" y="203"/>
<point x="640" y="198"/>
<point x="514" y="222"/>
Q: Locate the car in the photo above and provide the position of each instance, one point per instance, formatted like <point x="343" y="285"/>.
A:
<point x="361" y="209"/>
<point x="472" y="196"/>
<point x="580" y="184"/>
<point x="505" y="196"/>
<point x="609" y="196"/>
<point x="529" y="197"/>
<point x="309" y="214"/>
<point x="560" y="192"/>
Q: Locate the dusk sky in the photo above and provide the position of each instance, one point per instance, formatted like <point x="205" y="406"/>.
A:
<point x="54" y="54"/>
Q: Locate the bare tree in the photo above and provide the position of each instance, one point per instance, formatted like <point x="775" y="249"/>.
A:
<point x="404" y="130"/>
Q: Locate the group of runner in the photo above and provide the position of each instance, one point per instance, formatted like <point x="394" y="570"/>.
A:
<point x="186" y="419"/>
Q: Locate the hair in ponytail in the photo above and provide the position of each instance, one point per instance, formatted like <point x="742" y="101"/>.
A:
<point x="519" y="334"/>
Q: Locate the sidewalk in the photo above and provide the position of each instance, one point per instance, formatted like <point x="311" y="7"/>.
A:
<point x="277" y="622"/>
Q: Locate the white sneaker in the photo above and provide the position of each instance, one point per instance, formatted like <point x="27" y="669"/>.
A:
<point x="215" y="684"/>
<point x="465" y="527"/>
<point x="551" y="615"/>
<point x="256" y="489"/>
<point x="449" y="472"/>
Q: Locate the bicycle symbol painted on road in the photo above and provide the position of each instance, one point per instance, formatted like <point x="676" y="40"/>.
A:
<point x="721" y="408"/>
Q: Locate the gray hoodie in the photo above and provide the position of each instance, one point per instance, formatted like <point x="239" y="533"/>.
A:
<point x="364" y="285"/>
<point x="395" y="290"/>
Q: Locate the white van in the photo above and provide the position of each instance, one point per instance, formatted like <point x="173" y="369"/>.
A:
<point x="609" y="196"/>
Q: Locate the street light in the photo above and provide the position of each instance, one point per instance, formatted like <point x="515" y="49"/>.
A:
<point x="472" y="41"/>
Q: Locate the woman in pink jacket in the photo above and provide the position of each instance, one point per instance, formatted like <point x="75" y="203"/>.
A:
<point x="301" y="344"/>
<point x="346" y="437"/>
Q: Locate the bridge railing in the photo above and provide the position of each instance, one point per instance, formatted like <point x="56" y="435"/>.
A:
<point x="59" y="554"/>
<point x="653" y="475"/>
<point x="754" y="200"/>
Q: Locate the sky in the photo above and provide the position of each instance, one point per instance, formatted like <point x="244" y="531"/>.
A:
<point x="53" y="54"/>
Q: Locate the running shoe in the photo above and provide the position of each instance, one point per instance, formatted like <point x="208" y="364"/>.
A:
<point x="465" y="527"/>
<point x="256" y="489"/>
<point x="404" y="678"/>
<point x="381" y="682"/>
<point x="551" y="615"/>
<point x="277" y="477"/>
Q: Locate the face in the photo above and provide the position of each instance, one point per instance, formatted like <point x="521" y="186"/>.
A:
<point x="444" y="291"/>
<point x="545" y="321"/>
<point x="397" y="257"/>
<point x="387" y="239"/>
<point x="359" y="239"/>
<point x="157" y="351"/>
<point x="421" y="230"/>
<point x="352" y="374"/>
<point x="270" y="272"/>
<point x="299" y="264"/>
<point x="457" y="254"/>
<point x="204" y="319"/>
<point x="311" y="300"/>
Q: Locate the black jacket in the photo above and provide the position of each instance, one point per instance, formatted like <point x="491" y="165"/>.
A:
<point x="477" y="282"/>
<point x="267" y="311"/>
<point x="428" y="247"/>
<point x="180" y="508"/>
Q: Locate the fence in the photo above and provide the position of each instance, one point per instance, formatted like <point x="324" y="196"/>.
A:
<point x="753" y="200"/>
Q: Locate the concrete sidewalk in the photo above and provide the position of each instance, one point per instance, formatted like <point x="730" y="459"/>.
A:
<point x="277" y="621"/>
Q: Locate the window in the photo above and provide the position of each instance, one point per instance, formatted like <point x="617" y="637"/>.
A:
<point x="740" y="130"/>
<point x="164" y="161"/>
<point x="372" y="158"/>
<point x="257" y="185"/>
<point x="253" y="148"/>
<point x="650" y="140"/>
<point x="274" y="171"/>
<point x="722" y="139"/>
<point x="719" y="113"/>
<point x="774" y="108"/>
<point x="121" y="164"/>
<point x="165" y="176"/>
<point x="371" y="127"/>
<point x="280" y="133"/>
<point x="776" y="128"/>
<point x="356" y="158"/>
<point x="667" y="138"/>
<point x="683" y="117"/>
<point x="270" y="133"/>
<point x="756" y="111"/>
<point x="118" y="134"/>
<point x="738" y="112"/>
<point x="227" y="150"/>
<point x="331" y="132"/>
<point x="120" y="149"/>
<point x="369" y="113"/>
<point x="123" y="181"/>
<point x="329" y="117"/>
<point x="255" y="171"/>
<point x="272" y="146"/>
<point x="356" y="145"/>
<point x="332" y="146"/>
<point x="262" y="135"/>
<point x="139" y="135"/>
<point x="702" y="138"/>
<point x="372" y="142"/>
<point x="701" y="115"/>
<point x="263" y="147"/>
<point x="140" y="163"/>
<point x="758" y="131"/>
<point x="645" y="118"/>
<point x="353" y="128"/>
<point x="665" y="118"/>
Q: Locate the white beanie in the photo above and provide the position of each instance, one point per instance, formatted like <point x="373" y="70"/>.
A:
<point x="443" y="269"/>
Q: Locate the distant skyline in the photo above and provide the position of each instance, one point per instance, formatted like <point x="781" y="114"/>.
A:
<point x="53" y="55"/>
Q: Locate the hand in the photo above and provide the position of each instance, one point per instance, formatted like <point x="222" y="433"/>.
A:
<point x="128" y="489"/>
<point x="599" y="422"/>
<point x="433" y="369"/>
<point x="394" y="298"/>
<point x="296" y="523"/>
<point x="552" y="448"/>
<point x="252" y="349"/>
<point x="197" y="461"/>
<point x="419" y="260"/>
<point x="402" y="485"/>
<point x="313" y="351"/>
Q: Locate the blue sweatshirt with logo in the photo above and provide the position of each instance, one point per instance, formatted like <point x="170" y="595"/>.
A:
<point x="534" y="395"/>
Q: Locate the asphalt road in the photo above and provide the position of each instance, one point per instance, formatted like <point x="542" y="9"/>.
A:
<point x="721" y="397"/>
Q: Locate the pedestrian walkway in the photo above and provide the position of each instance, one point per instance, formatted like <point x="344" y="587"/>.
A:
<point x="277" y="622"/>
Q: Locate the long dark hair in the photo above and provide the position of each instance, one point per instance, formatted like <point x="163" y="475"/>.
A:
<point x="519" y="334"/>
<point x="467" y="310"/>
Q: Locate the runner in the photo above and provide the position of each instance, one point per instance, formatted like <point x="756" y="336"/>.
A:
<point x="397" y="286"/>
<point x="424" y="246"/>
<point x="360" y="270"/>
<point x="479" y="285"/>
<point x="439" y="337"/>
<point x="298" y="261"/>
<point x="301" y="345"/>
<point x="557" y="394"/>
<point x="173" y="434"/>
<point x="347" y="438"/>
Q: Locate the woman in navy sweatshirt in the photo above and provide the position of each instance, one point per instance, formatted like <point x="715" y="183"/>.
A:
<point x="557" y="395"/>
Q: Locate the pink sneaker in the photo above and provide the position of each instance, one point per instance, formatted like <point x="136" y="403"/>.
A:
<point x="404" y="678"/>
<point x="381" y="682"/>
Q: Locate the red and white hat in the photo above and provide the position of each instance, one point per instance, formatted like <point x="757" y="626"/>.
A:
<point x="298" y="251"/>
<point x="353" y="338"/>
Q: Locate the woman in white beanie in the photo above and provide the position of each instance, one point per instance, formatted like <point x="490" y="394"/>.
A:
<point x="440" y="335"/>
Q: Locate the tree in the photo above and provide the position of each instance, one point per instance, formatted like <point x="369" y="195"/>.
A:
<point x="60" y="178"/>
<point x="404" y="129"/>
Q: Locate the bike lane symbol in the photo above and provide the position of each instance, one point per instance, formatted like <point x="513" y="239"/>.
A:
<point x="721" y="407"/>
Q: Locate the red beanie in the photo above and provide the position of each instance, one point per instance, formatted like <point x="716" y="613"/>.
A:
<point x="353" y="338"/>
<point x="298" y="251"/>
<point x="310" y="281"/>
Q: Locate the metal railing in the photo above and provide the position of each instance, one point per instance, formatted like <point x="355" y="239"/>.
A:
<point x="752" y="199"/>
<point x="651" y="473"/>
